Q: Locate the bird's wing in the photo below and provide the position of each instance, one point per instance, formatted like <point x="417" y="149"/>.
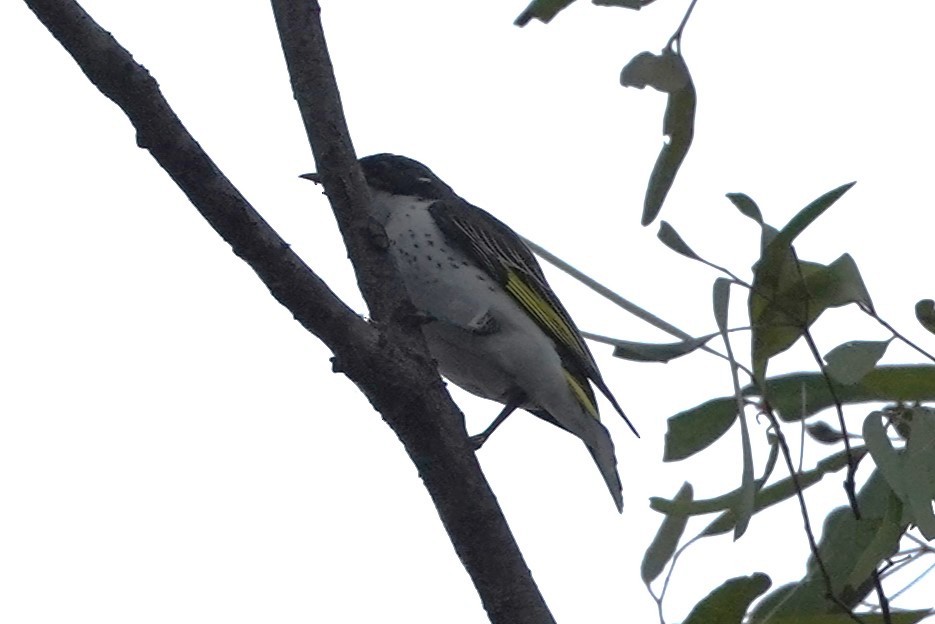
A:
<point x="502" y="254"/>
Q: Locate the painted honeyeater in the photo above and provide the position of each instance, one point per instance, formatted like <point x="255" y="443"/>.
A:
<point x="494" y="326"/>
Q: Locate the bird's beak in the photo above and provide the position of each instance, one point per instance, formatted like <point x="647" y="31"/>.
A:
<point x="314" y="177"/>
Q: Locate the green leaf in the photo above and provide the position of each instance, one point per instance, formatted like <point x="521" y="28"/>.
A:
<point x="910" y="472"/>
<point x="850" y="550"/>
<point x="807" y="215"/>
<point x="671" y="239"/>
<point x="728" y="603"/>
<point x="545" y="10"/>
<point x="744" y="509"/>
<point x="721" y="297"/>
<point x="667" y="538"/>
<point x="919" y="469"/>
<point x="636" y="5"/>
<point x="693" y="430"/>
<point x="850" y="362"/>
<point x="889" y="461"/>
<point x="766" y="497"/>
<point x="925" y="313"/>
<point x="746" y="206"/>
<point x="778" y="304"/>
<point x="664" y="72"/>
<point x="668" y="73"/>
<point x="824" y="433"/>
<point x="837" y="284"/>
<point x="653" y="352"/>
<point x="785" y="489"/>
<point x="800" y="395"/>
<point x="542" y="10"/>
<point x="788" y="295"/>
<point x="794" y="397"/>
<point x="896" y="617"/>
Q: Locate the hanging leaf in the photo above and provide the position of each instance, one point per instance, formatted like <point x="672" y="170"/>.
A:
<point x="794" y="397"/>
<point x="671" y="239"/>
<point x="667" y="538"/>
<point x="787" y="295"/>
<point x="925" y="313"/>
<point x="850" y="362"/>
<point x="919" y="469"/>
<point x="824" y="433"/>
<point x="746" y="206"/>
<point x="766" y="497"/>
<point x="800" y="395"/>
<point x="654" y="352"/>
<point x="542" y="10"/>
<point x="545" y="10"/>
<point x="744" y="509"/>
<point x="728" y="603"/>
<point x="850" y="550"/>
<point x="721" y="298"/>
<point x="693" y="430"/>
<point x="807" y="215"/>
<point x="668" y="73"/>
<point x="785" y="489"/>
<point x="636" y="5"/>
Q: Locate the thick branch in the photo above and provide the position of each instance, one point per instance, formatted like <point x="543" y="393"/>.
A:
<point x="392" y="369"/>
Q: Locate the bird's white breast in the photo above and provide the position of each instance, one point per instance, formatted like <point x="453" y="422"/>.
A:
<point x="451" y="289"/>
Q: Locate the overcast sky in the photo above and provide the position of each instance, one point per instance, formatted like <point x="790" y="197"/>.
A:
<point x="174" y="447"/>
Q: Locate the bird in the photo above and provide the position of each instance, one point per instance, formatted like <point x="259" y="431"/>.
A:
<point x="493" y="324"/>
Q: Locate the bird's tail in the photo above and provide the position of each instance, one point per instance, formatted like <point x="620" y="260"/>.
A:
<point x="602" y="450"/>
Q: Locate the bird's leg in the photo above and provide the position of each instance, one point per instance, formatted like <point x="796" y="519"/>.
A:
<point x="514" y="400"/>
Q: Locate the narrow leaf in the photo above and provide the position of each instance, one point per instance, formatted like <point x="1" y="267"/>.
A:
<point x="654" y="352"/>
<point x="888" y="460"/>
<point x="743" y="511"/>
<point x="919" y="462"/>
<point x="721" y="297"/>
<point x="666" y="72"/>
<point x="671" y="239"/>
<point x="824" y="433"/>
<point x="663" y="546"/>
<point x="800" y="395"/>
<point x="636" y="5"/>
<point x="542" y="10"/>
<point x="746" y="206"/>
<point x="807" y="215"/>
<point x="766" y="497"/>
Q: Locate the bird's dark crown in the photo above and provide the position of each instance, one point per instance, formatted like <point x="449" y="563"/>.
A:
<point x="403" y="176"/>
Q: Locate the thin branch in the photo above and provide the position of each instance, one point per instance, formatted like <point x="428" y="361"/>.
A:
<point x="675" y="42"/>
<point x="850" y="486"/>
<point x="607" y="293"/>
<point x="800" y="496"/>
<point x="899" y="336"/>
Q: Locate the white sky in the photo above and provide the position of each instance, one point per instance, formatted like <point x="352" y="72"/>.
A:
<point x="173" y="446"/>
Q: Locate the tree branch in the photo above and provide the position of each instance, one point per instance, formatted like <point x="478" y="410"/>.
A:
<point x="388" y="361"/>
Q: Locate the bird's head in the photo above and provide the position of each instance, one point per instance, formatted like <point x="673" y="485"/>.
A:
<point x="398" y="175"/>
